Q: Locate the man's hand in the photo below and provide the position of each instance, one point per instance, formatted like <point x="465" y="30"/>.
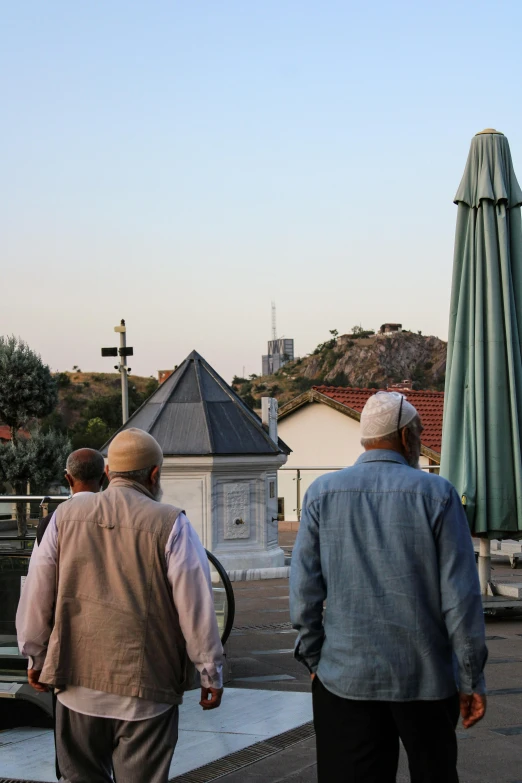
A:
<point x="472" y="708"/>
<point x="214" y="701"/>
<point x="33" y="675"/>
<point x="312" y="676"/>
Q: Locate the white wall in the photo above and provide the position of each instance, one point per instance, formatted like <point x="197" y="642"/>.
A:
<point x="318" y="436"/>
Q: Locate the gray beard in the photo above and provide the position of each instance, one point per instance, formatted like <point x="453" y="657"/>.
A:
<point x="157" y="491"/>
<point x="414" y="459"/>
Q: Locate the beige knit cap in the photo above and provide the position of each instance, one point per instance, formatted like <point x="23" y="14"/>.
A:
<point x="380" y="415"/>
<point x="133" y="449"/>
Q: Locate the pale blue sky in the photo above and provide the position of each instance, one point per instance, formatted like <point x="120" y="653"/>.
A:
<point x="181" y="164"/>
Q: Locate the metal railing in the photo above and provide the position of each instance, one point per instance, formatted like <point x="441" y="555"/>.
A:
<point x="36" y="507"/>
<point x="326" y="469"/>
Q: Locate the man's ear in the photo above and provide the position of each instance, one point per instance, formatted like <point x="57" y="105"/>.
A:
<point x="405" y="440"/>
<point x="69" y="479"/>
<point x="107" y="474"/>
<point x="155" y="474"/>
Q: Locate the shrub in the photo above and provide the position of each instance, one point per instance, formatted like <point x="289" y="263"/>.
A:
<point x="62" y="380"/>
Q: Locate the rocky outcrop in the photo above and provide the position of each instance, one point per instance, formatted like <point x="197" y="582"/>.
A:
<point x="376" y="361"/>
<point x="386" y="360"/>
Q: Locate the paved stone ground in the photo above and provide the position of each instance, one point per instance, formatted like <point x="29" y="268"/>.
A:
<point x="489" y="753"/>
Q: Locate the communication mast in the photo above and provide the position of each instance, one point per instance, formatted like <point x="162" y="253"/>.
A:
<point x="274" y="328"/>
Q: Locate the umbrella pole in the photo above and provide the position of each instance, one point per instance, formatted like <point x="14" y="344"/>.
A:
<point x="484" y="565"/>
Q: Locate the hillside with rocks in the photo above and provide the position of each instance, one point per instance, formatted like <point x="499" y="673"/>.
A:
<point x="362" y="360"/>
<point x="89" y="407"/>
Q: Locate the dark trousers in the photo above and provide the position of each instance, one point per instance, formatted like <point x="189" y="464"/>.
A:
<point x="140" y="751"/>
<point x="358" y="741"/>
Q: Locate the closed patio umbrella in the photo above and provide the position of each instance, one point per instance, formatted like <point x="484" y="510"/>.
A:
<point x="481" y="448"/>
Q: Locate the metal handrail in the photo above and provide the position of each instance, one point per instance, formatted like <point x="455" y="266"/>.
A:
<point x="299" y="468"/>
<point x="28" y="498"/>
<point x="341" y="467"/>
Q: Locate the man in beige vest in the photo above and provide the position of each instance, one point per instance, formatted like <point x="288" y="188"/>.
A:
<point x="129" y="583"/>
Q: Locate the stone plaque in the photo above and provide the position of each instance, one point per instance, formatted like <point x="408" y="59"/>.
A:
<point x="237" y="511"/>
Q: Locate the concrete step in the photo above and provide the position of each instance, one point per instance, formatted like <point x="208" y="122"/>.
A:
<point x="508" y="589"/>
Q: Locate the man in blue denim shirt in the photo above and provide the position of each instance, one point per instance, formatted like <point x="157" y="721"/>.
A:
<point x="388" y="548"/>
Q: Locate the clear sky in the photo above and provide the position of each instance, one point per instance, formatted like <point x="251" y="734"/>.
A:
<point x="181" y="163"/>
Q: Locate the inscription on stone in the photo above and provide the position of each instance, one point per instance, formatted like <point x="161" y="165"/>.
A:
<point x="237" y="510"/>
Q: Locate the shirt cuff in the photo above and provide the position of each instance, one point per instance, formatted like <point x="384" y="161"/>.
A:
<point x="36" y="663"/>
<point x="310" y="661"/>
<point x="478" y="686"/>
<point x="211" y="676"/>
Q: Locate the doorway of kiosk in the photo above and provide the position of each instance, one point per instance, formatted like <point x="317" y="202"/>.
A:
<point x="21" y="705"/>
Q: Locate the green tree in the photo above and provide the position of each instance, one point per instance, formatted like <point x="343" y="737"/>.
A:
<point x="28" y="393"/>
<point x="302" y="384"/>
<point x="151" y="386"/>
<point x="340" y="379"/>
<point x="27" y="389"/>
<point x="93" y="435"/>
<point x="249" y="400"/>
<point x="38" y="459"/>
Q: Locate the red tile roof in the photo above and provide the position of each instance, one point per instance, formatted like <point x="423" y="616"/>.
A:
<point x="429" y="404"/>
<point x="5" y="432"/>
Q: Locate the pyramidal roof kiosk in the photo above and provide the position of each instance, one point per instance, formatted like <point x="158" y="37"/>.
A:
<point x="220" y="464"/>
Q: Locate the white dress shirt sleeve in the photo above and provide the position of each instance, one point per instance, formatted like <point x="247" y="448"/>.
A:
<point x="34" y="616"/>
<point x="189" y="576"/>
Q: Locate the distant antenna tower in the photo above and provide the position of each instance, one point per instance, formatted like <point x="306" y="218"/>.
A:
<point x="274" y="328"/>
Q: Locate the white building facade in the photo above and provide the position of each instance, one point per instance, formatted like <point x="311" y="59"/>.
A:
<point x="325" y="434"/>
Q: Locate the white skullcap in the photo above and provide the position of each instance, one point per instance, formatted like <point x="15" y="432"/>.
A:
<point x="380" y="415"/>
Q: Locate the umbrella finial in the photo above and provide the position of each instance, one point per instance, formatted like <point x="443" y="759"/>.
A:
<point x="489" y="130"/>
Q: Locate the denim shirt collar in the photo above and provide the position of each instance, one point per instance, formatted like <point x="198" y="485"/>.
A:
<point x="382" y="455"/>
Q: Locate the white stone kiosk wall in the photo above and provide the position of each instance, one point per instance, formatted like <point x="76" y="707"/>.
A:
<point x="232" y="504"/>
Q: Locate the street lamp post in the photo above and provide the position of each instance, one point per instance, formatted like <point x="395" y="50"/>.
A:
<point x="123" y="351"/>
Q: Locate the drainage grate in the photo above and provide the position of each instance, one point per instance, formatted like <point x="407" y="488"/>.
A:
<point x="243" y="758"/>
<point x="234" y="761"/>
<point x="16" y="780"/>
<point x="267" y="627"/>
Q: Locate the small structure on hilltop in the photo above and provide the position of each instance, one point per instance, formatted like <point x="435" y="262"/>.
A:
<point x="406" y="385"/>
<point x="343" y="340"/>
<point x="389" y="329"/>
<point x="220" y="464"/>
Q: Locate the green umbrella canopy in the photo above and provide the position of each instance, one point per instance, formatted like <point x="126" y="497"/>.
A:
<point x="481" y="444"/>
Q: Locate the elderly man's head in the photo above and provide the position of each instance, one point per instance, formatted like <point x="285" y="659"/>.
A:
<point x="389" y="421"/>
<point x="135" y="455"/>
<point x="84" y="470"/>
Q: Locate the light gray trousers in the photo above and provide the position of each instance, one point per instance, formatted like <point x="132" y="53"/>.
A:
<point x="90" y="748"/>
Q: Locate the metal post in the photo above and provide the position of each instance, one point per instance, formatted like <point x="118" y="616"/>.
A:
<point x="123" y="370"/>
<point x="28" y="505"/>
<point x="298" y="493"/>
<point x="484" y="564"/>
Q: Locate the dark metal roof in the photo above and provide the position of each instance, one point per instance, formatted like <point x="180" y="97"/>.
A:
<point x="195" y="412"/>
